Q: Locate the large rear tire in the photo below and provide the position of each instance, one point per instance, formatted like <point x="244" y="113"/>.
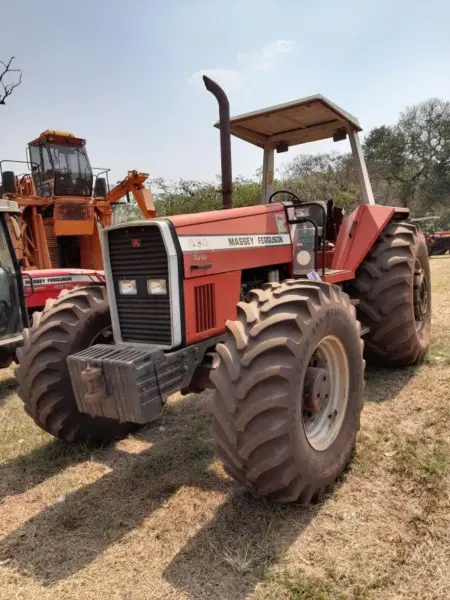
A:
<point x="394" y="290"/>
<point x="72" y="322"/>
<point x="289" y="390"/>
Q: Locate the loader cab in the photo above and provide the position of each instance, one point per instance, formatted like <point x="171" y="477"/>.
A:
<point x="60" y="165"/>
<point x="13" y="316"/>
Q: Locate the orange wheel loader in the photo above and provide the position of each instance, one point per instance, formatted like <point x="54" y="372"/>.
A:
<point x="64" y="205"/>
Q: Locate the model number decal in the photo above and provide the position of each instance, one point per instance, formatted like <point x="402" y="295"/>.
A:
<point x="224" y="242"/>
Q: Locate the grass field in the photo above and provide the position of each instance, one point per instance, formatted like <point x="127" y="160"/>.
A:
<point x="154" y="517"/>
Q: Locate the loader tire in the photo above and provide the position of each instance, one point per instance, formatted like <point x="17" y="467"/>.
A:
<point x="68" y="324"/>
<point x="273" y="433"/>
<point x="394" y="292"/>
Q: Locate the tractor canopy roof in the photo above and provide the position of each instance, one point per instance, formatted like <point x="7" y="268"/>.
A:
<point x="298" y="122"/>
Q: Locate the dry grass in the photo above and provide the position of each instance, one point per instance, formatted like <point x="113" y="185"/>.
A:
<point x="155" y="517"/>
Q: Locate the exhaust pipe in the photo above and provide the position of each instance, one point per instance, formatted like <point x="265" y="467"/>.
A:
<point x="225" y="140"/>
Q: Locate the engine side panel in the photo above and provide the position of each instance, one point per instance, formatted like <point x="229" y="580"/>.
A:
<point x="209" y="301"/>
<point x="254" y="237"/>
<point x="216" y="248"/>
<point x="42" y="284"/>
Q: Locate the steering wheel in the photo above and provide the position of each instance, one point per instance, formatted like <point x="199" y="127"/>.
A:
<point x="293" y="196"/>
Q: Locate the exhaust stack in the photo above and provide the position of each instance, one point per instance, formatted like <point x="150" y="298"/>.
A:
<point x="225" y="140"/>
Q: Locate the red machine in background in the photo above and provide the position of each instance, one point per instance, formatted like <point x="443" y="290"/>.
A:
<point x="438" y="242"/>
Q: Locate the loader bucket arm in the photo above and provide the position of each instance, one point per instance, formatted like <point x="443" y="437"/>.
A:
<point x="134" y="183"/>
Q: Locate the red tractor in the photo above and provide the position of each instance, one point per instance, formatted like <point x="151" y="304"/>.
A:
<point x="271" y="305"/>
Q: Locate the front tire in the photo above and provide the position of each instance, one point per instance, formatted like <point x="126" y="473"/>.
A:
<point x="273" y="384"/>
<point x="68" y="324"/>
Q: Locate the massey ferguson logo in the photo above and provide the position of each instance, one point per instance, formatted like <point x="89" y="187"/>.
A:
<point x="136" y="243"/>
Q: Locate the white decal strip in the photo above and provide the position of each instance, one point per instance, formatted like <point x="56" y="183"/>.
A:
<point x="225" y="242"/>
<point x="63" y="279"/>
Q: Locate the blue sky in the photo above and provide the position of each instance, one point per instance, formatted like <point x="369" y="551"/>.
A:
<point x="125" y="75"/>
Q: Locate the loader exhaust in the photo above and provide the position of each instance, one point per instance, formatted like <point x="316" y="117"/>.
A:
<point x="225" y="140"/>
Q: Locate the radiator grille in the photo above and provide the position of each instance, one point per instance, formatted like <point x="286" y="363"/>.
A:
<point x="204" y="307"/>
<point x="139" y="253"/>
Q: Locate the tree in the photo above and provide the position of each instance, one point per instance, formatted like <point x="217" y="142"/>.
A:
<point x="413" y="157"/>
<point x="8" y="87"/>
<point x="322" y="177"/>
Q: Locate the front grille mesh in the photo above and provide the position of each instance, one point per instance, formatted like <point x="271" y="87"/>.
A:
<point x="139" y="253"/>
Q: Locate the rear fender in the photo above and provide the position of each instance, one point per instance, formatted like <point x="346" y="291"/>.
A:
<point x="358" y="233"/>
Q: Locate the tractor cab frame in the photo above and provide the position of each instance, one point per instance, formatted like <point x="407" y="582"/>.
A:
<point x="277" y="128"/>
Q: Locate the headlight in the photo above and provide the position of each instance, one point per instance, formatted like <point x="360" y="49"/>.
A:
<point x="156" y="286"/>
<point x="127" y="287"/>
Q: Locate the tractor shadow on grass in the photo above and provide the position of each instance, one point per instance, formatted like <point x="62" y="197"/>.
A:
<point x="8" y="385"/>
<point x="230" y="553"/>
<point x="67" y="536"/>
<point x="27" y="471"/>
<point x="233" y="552"/>
<point x="386" y="384"/>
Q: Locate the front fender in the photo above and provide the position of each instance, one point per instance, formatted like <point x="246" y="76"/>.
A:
<point x="358" y="233"/>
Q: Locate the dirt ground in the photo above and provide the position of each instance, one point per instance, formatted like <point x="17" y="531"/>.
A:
<point x="155" y="517"/>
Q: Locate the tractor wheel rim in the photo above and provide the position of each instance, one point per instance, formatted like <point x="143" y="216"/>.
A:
<point x="420" y="294"/>
<point x="323" y="420"/>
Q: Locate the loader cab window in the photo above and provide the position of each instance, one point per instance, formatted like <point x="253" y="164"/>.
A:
<point x="10" y="311"/>
<point x="73" y="173"/>
<point x="41" y="169"/>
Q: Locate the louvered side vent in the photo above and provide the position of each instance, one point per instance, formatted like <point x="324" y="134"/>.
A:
<point x="205" y="310"/>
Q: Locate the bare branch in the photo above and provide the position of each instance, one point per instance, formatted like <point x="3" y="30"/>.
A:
<point x="8" y="87"/>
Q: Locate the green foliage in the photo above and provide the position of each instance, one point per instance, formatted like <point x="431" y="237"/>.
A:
<point x="329" y="176"/>
<point x="185" y="196"/>
<point x="410" y="160"/>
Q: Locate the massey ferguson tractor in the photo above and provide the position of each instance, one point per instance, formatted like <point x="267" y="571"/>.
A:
<point x="270" y="305"/>
<point x="13" y="313"/>
<point x="64" y="205"/>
